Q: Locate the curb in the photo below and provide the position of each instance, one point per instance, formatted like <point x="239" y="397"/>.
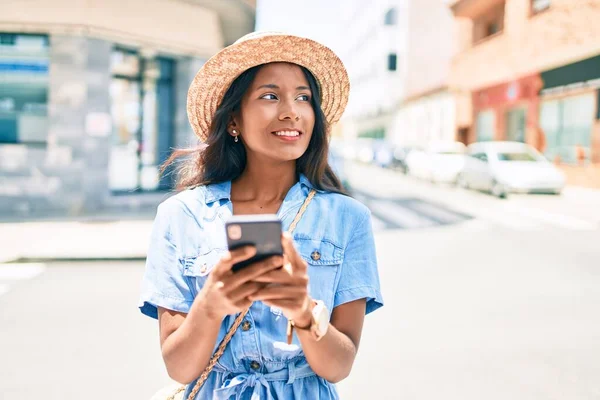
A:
<point x="29" y="260"/>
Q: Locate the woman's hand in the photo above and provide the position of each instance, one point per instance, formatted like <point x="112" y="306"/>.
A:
<point x="287" y="288"/>
<point x="226" y="292"/>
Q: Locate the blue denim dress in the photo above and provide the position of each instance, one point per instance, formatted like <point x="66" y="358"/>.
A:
<point x="188" y="239"/>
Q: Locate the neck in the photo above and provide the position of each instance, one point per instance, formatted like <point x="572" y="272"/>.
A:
<point x="264" y="183"/>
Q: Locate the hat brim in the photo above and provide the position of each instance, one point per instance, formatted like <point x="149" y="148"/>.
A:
<point x="216" y="76"/>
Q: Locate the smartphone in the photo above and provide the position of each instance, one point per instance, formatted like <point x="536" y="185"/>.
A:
<point x="261" y="230"/>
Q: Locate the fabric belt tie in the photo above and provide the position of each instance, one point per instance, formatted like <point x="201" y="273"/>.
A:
<point x="236" y="384"/>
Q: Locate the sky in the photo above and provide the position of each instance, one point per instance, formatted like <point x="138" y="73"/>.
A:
<point x="315" y="19"/>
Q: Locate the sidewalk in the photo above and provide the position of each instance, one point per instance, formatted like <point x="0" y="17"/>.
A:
<point x="73" y="240"/>
<point x="121" y="237"/>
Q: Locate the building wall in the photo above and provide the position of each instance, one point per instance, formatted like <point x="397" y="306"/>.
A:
<point x="569" y="31"/>
<point x="427" y="111"/>
<point x="431" y="46"/>
<point x="530" y="44"/>
<point x="175" y="26"/>
<point x="68" y="176"/>
<point x="68" y="173"/>
<point x="426" y="119"/>
<point x="375" y="91"/>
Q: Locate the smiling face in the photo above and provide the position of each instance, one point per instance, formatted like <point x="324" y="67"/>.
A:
<point x="276" y="119"/>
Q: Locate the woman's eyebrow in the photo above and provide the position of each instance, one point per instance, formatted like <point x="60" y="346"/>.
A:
<point x="273" y="86"/>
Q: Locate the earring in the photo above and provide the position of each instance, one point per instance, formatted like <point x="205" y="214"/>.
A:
<point x="235" y="139"/>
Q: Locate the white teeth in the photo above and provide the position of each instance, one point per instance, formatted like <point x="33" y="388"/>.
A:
<point x="287" y="133"/>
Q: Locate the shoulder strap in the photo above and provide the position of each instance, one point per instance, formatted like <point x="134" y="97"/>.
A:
<point x="242" y="315"/>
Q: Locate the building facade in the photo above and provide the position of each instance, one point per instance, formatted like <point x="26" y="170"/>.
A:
<point x="426" y="112"/>
<point x="374" y="53"/>
<point x="398" y="55"/>
<point x="92" y="98"/>
<point x="529" y="70"/>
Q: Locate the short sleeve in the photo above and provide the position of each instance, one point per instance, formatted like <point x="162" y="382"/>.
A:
<point x="359" y="276"/>
<point x="163" y="283"/>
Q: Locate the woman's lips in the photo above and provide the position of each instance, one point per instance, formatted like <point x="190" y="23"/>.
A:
<point x="288" y="135"/>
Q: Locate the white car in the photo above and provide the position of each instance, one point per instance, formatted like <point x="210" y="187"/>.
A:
<point x="509" y="167"/>
<point x="442" y="162"/>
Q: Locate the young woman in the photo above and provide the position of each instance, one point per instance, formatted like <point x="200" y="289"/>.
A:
<point x="264" y="107"/>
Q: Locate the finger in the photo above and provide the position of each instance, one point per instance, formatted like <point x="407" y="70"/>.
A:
<point x="234" y="256"/>
<point x="279" y="275"/>
<point x="246" y="290"/>
<point x="279" y="292"/>
<point x="290" y="251"/>
<point x="256" y="269"/>
<point x="283" y="304"/>
<point x="243" y="303"/>
<point x="283" y="276"/>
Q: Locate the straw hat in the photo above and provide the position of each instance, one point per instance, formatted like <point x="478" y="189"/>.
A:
<point x="214" y="78"/>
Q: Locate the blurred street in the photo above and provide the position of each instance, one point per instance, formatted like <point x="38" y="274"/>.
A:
<point x="485" y="298"/>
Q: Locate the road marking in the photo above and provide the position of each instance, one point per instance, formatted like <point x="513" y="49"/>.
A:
<point x="399" y="215"/>
<point x="440" y="214"/>
<point x="504" y="213"/>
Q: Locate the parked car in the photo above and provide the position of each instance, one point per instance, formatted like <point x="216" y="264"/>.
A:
<point x="417" y="164"/>
<point x="447" y="160"/>
<point x="441" y="162"/>
<point x="383" y="156"/>
<point x="399" y="155"/>
<point x="509" y="167"/>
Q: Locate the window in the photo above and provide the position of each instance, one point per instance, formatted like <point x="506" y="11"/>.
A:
<point x="391" y="17"/>
<point x="142" y="111"/>
<point x="481" y="157"/>
<point x="517" y="156"/>
<point x="24" y="63"/>
<point x="539" y="5"/>
<point x="392" y="62"/>
<point x="516" y="121"/>
<point x="567" y="125"/>
<point x="486" y="125"/>
<point x="489" y="23"/>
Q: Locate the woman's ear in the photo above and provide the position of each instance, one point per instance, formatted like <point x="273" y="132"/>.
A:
<point x="233" y="125"/>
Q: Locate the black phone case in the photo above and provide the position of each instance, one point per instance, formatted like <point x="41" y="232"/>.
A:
<point x="261" y="231"/>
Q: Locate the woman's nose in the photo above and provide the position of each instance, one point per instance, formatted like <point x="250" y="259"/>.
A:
<point x="288" y="111"/>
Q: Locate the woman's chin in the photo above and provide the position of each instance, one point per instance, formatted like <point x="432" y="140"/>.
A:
<point x="280" y="155"/>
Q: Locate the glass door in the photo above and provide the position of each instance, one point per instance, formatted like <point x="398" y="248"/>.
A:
<point x="125" y="97"/>
<point x="516" y="121"/>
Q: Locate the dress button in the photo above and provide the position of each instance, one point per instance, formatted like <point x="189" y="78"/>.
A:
<point x="246" y="325"/>
<point x="315" y="255"/>
<point x="254" y="365"/>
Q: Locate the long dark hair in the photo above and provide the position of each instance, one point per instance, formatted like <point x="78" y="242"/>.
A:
<point x="220" y="159"/>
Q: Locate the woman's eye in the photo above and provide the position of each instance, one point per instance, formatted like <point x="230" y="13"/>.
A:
<point x="269" y="96"/>
<point x="304" y="97"/>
